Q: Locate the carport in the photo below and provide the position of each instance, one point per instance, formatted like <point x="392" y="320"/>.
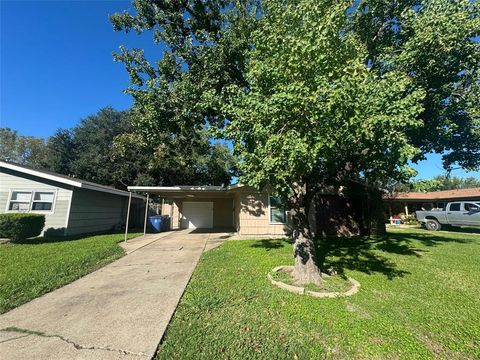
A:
<point x="191" y="207"/>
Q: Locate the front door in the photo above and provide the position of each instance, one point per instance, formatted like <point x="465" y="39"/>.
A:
<point x="197" y="215"/>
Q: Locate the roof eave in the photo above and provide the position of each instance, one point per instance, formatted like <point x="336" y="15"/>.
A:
<point x="41" y="174"/>
<point x="63" y="180"/>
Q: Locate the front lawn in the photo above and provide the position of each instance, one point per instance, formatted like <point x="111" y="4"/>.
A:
<point x="34" y="267"/>
<point x="419" y="299"/>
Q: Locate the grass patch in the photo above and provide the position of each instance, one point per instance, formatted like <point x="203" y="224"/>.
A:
<point x="418" y="300"/>
<point x="335" y="283"/>
<point x="36" y="266"/>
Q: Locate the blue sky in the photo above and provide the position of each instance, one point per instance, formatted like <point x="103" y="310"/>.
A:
<point x="56" y="66"/>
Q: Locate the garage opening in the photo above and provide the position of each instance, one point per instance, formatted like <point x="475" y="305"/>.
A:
<point x="197" y="215"/>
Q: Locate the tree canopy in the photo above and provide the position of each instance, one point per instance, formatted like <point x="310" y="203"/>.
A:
<point x="314" y="113"/>
<point x="104" y="148"/>
<point x="24" y="150"/>
<point x="206" y="46"/>
<point x="436" y="44"/>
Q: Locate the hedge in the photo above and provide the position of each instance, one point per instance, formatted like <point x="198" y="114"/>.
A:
<point x="21" y="226"/>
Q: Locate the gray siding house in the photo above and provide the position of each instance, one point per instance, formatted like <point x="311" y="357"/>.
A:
<point x="71" y="206"/>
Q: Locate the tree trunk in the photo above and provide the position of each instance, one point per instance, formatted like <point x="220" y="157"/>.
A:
<point x="306" y="269"/>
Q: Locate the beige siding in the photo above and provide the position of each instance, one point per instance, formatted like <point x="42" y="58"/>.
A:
<point x="245" y="210"/>
<point x="94" y="211"/>
<point x="253" y="214"/>
<point x="55" y="221"/>
<point x="171" y="209"/>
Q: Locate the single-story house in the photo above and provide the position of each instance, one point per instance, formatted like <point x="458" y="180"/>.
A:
<point x="71" y="206"/>
<point x="236" y="208"/>
<point x="250" y="212"/>
<point x="408" y="202"/>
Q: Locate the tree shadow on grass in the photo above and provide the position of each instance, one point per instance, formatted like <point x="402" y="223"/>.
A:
<point x="428" y="238"/>
<point x="365" y="254"/>
<point x="271" y="244"/>
<point x="465" y="230"/>
<point x="393" y="246"/>
<point x="358" y="253"/>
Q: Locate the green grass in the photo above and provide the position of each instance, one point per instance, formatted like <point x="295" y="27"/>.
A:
<point x="329" y="284"/>
<point x="36" y="266"/>
<point x="419" y="299"/>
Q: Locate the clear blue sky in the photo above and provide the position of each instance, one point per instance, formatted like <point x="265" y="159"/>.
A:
<point x="56" y="66"/>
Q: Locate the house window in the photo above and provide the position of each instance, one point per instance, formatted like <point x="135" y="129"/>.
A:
<point x="25" y="201"/>
<point x="42" y="201"/>
<point x="278" y="214"/>
<point x="20" y="201"/>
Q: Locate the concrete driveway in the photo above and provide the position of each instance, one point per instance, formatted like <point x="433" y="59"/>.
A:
<point x="118" y="312"/>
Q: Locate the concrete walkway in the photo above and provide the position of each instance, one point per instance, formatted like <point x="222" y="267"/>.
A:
<point x="118" y="312"/>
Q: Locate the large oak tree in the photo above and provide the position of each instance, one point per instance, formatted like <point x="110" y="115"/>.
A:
<point x="312" y="93"/>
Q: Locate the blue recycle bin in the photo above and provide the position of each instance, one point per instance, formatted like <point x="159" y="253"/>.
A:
<point x="159" y="223"/>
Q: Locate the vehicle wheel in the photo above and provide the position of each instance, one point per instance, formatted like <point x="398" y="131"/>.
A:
<point x="433" y="225"/>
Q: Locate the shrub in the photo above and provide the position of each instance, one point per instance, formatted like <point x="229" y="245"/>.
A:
<point x="21" y="226"/>
<point x="410" y="220"/>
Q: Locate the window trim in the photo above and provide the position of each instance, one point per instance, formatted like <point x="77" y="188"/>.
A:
<point x="270" y="213"/>
<point x="32" y="196"/>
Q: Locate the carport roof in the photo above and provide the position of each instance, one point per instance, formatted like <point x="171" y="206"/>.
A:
<point x="182" y="189"/>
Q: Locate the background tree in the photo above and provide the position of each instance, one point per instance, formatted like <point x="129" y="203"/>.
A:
<point x="436" y="43"/>
<point x="93" y="144"/>
<point x="103" y="148"/>
<point x="24" y="150"/>
<point x="59" y="152"/>
<point x="167" y="164"/>
<point x="440" y="182"/>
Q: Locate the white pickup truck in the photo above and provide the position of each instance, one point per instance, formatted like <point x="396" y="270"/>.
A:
<point x="459" y="213"/>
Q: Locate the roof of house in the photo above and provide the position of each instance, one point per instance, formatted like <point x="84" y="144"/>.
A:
<point x="63" y="179"/>
<point x="438" y="195"/>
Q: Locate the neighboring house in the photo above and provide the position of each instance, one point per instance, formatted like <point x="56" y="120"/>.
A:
<point x="71" y="206"/>
<point x="409" y="202"/>
<point x="238" y="208"/>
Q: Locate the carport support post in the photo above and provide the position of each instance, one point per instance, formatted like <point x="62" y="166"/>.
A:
<point x="128" y="215"/>
<point x="146" y="215"/>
